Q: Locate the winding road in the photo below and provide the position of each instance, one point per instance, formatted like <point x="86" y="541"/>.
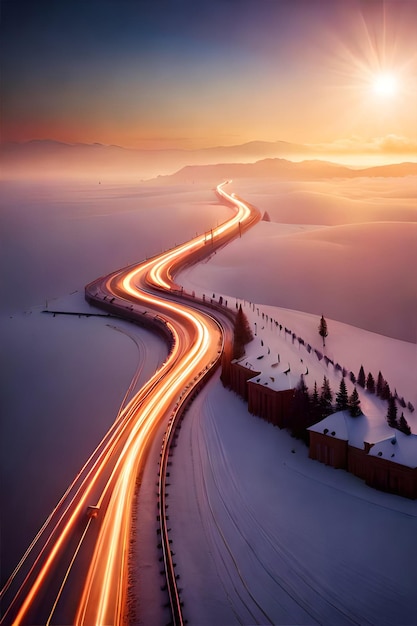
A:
<point x="76" y="569"/>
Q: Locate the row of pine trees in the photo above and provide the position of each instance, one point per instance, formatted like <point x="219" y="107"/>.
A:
<point x="310" y="408"/>
<point x="382" y="389"/>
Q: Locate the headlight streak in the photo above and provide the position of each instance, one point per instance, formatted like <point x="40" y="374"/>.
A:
<point x="124" y="448"/>
<point x="88" y="483"/>
<point x="113" y="540"/>
<point x="67" y="573"/>
<point x="115" y="531"/>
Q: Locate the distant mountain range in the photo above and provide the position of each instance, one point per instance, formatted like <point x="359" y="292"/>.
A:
<point x="53" y="158"/>
<point x="48" y="159"/>
<point x="282" y="169"/>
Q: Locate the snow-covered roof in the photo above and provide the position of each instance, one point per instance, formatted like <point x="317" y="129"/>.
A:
<point x="276" y="373"/>
<point x="399" y="448"/>
<point x="279" y="382"/>
<point x="333" y="425"/>
<point x="355" y="430"/>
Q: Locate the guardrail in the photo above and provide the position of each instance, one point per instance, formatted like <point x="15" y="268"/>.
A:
<point x="166" y="450"/>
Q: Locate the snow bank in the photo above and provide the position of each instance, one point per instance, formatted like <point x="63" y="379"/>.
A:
<point x="262" y="534"/>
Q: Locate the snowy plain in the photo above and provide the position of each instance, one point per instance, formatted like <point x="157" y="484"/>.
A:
<point x="263" y="534"/>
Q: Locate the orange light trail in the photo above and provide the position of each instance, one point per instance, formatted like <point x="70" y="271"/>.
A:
<point x="111" y="471"/>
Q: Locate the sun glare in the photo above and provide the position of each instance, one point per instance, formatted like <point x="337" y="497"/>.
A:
<point x="385" y="85"/>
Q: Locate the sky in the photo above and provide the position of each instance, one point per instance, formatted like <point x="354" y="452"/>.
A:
<point x="185" y="74"/>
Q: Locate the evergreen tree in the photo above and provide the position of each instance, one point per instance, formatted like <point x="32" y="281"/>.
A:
<point x="370" y="383"/>
<point x="403" y="425"/>
<point x="386" y="392"/>
<point x="355" y="404"/>
<point x="300" y="411"/>
<point x="302" y="387"/>
<point x="323" y="330"/>
<point x="326" y="398"/>
<point x="380" y="384"/>
<point x="361" y="377"/>
<point x="242" y="334"/>
<point x="315" y="398"/>
<point x="301" y="400"/>
<point x="342" y="397"/>
<point x="402" y="402"/>
<point x="392" y="413"/>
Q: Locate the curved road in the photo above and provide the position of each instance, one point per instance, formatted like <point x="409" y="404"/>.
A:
<point x="76" y="569"/>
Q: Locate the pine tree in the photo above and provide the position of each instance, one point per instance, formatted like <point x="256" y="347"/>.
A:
<point x="315" y="398"/>
<point x="403" y="425"/>
<point x="300" y="413"/>
<point x="242" y="334"/>
<point x="392" y="413"/>
<point x="301" y="400"/>
<point x="361" y="377"/>
<point x="370" y="383"/>
<point x="342" y="397"/>
<point x="355" y="404"/>
<point x="323" y="330"/>
<point x="326" y="398"/>
<point x="302" y="387"/>
<point x="380" y="384"/>
<point x="386" y="392"/>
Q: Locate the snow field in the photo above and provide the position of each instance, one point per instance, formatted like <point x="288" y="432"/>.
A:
<point x="262" y="534"/>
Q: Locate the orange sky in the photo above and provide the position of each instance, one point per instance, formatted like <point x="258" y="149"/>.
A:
<point x="144" y="75"/>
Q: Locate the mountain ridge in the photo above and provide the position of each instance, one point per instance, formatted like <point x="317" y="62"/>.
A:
<point x="48" y="158"/>
<point x="287" y="170"/>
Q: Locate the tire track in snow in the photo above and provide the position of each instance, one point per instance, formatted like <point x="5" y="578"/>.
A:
<point x="299" y="577"/>
<point x="219" y="468"/>
<point x="216" y="534"/>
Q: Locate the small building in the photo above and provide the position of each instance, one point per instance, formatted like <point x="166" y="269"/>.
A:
<point x="270" y="397"/>
<point x="239" y="374"/>
<point x="329" y="441"/>
<point x="383" y="457"/>
<point x="267" y="396"/>
<point x="392" y="465"/>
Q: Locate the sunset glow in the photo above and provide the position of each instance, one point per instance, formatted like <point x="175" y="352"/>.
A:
<point x="225" y="74"/>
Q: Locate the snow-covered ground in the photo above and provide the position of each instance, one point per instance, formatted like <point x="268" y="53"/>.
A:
<point x="271" y="536"/>
<point x="344" y="249"/>
<point x="264" y="535"/>
<point x="259" y="530"/>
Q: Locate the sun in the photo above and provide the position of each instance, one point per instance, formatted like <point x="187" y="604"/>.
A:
<point x="385" y="85"/>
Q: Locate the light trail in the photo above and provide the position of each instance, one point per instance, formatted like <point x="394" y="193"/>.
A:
<point x="112" y="541"/>
<point x="108" y="479"/>
<point x="67" y="573"/>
